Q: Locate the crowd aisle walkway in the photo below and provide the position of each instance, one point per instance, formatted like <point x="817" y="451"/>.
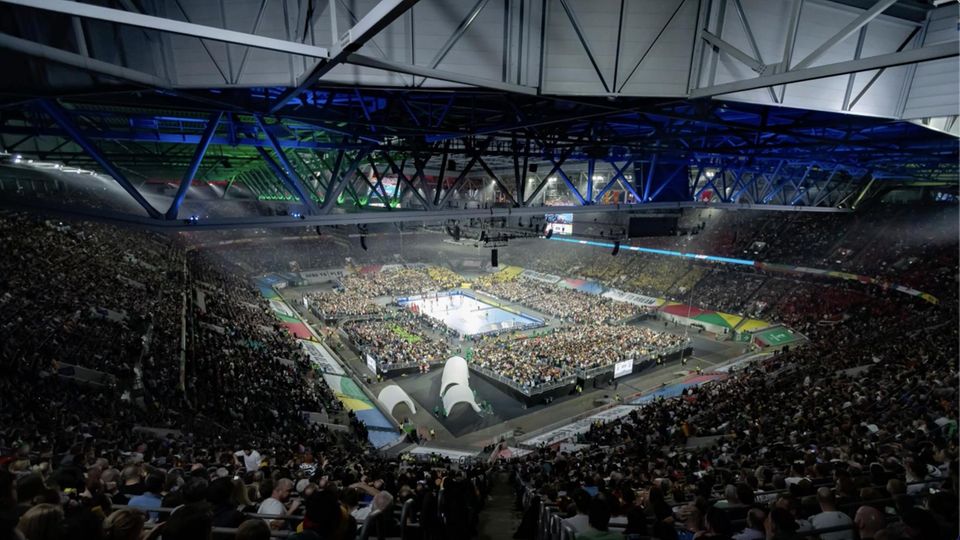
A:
<point x="499" y="520"/>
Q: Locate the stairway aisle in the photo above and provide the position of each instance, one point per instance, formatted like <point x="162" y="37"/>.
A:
<point x="499" y="520"/>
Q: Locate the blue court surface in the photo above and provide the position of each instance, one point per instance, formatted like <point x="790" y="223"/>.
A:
<point x="467" y="315"/>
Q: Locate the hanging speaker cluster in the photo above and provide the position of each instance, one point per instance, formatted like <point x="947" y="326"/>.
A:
<point x="494" y="258"/>
<point x="616" y="248"/>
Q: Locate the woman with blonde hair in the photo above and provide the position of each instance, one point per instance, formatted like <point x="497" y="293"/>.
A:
<point x="42" y="522"/>
<point x="123" y="524"/>
<point x="240" y="497"/>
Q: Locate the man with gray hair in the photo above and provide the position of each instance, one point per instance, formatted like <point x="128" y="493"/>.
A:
<point x="830" y="517"/>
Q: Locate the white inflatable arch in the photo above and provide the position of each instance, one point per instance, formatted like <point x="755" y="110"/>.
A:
<point x="455" y="371"/>
<point x="393" y="395"/>
<point x="459" y="393"/>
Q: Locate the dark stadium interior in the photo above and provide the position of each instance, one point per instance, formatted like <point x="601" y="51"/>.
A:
<point x="479" y="269"/>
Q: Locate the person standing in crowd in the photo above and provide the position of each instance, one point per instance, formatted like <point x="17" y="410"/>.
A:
<point x="251" y="459"/>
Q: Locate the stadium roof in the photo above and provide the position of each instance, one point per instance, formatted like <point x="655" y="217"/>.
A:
<point x="786" y="103"/>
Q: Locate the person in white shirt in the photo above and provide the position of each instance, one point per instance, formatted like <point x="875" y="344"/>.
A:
<point x="274" y="505"/>
<point x="251" y="459"/>
<point x="830" y="517"/>
<point x="581" y="521"/>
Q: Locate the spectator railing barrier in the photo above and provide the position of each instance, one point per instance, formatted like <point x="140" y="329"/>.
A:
<point x="588" y="374"/>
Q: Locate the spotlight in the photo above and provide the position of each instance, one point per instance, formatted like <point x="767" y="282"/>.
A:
<point x="616" y="248"/>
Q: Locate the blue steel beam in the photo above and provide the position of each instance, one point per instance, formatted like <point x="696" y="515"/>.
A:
<point x="573" y="188"/>
<point x="291" y="173"/>
<point x="194" y="165"/>
<point x="173" y="138"/>
<point x="62" y="119"/>
<point x="591" y="167"/>
<point x="666" y="182"/>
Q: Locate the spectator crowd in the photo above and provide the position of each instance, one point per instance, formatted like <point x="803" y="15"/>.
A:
<point x="538" y="360"/>
<point x="189" y="414"/>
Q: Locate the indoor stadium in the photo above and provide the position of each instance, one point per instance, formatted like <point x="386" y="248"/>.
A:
<point x="479" y="269"/>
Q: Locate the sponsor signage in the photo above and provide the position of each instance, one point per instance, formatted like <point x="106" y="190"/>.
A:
<point x="321" y="358"/>
<point x="622" y="368"/>
<point x="320" y="276"/>
<point x="580" y="426"/>
<point x="631" y="298"/>
<point x="371" y="363"/>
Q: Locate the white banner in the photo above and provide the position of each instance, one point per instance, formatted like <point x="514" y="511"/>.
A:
<point x="282" y="308"/>
<point x="631" y="298"/>
<point x="321" y="358"/>
<point x="371" y="363"/>
<point x="539" y="276"/>
<point x="570" y="431"/>
<point x="622" y="368"/>
<point x="321" y="276"/>
<point x="455" y="455"/>
<point x="571" y="448"/>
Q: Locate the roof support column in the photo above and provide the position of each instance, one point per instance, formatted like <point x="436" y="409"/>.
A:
<point x="289" y="172"/>
<point x="62" y="119"/>
<point x="194" y="165"/>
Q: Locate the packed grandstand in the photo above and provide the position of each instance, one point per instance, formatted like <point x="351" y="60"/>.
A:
<point x="158" y="384"/>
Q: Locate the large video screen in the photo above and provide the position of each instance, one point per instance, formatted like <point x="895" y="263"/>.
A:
<point x="560" y="223"/>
